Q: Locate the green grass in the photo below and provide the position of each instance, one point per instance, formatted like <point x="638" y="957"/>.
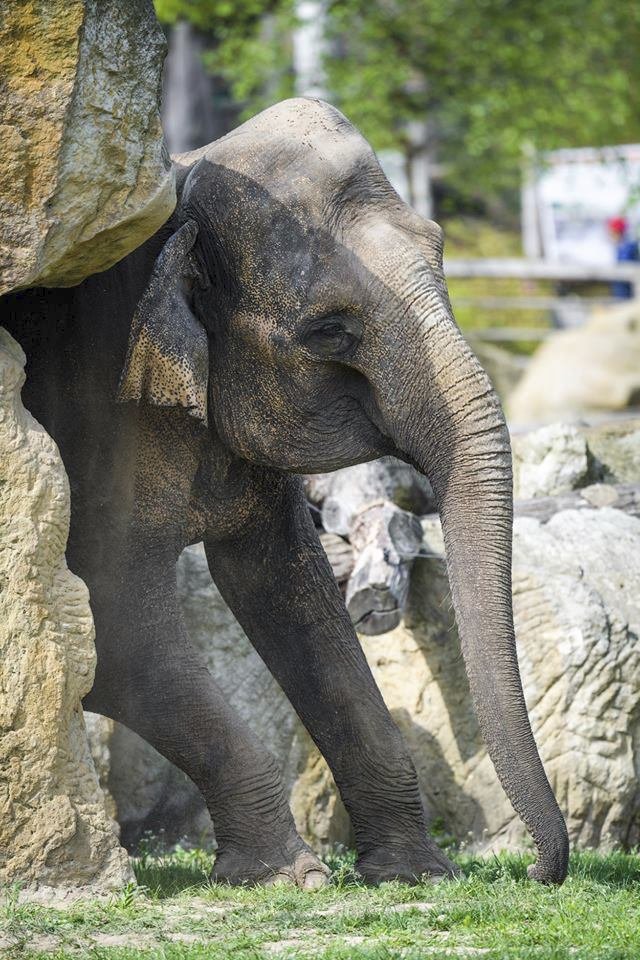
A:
<point x="476" y="238"/>
<point x="492" y="912"/>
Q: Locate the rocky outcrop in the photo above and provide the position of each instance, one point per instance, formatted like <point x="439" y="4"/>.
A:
<point x="84" y="174"/>
<point x="84" y="179"/>
<point x="54" y="832"/>
<point x="593" y="368"/>
<point x="550" y="461"/>
<point x="578" y="626"/>
<point x="577" y="613"/>
<point x="569" y="456"/>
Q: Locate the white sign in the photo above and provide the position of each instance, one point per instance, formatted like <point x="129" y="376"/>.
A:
<point x="577" y="192"/>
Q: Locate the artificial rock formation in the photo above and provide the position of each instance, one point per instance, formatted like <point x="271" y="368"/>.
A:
<point x="54" y="832"/>
<point x="591" y="369"/>
<point x="577" y="615"/>
<point x="569" y="456"/>
<point x="84" y="174"/>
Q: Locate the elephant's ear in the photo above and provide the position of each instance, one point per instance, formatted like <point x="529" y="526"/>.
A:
<point x="167" y="360"/>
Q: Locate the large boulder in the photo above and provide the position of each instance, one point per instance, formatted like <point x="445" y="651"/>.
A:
<point x="84" y="174"/>
<point x="577" y="621"/>
<point x="577" y="615"/>
<point x="569" y="456"/>
<point x="55" y="834"/>
<point x="590" y="369"/>
<point x="84" y="179"/>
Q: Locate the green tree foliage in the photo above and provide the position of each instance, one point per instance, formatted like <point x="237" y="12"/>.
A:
<point x="487" y="76"/>
<point x="250" y="45"/>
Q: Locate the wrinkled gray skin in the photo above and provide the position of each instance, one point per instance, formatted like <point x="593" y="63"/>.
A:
<point x="296" y="320"/>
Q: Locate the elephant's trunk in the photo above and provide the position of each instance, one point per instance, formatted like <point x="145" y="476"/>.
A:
<point x="459" y="439"/>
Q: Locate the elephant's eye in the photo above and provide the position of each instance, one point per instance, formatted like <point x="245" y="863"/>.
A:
<point x="331" y="336"/>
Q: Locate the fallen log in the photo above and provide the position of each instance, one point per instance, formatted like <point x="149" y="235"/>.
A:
<point x="341" y="556"/>
<point x="373" y="506"/>
<point x="343" y="494"/>
<point x="374" y="566"/>
<point x="385" y="540"/>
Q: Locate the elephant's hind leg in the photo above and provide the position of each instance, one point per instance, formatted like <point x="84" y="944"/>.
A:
<point x="152" y="679"/>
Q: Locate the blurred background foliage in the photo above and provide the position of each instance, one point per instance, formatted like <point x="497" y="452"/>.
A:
<point x="483" y="79"/>
<point x="458" y="93"/>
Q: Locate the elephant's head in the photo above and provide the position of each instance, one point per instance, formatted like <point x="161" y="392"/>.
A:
<point x="302" y="308"/>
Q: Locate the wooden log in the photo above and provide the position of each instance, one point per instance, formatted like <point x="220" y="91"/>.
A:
<point x="372" y="504"/>
<point x="341" y="495"/>
<point x="385" y="540"/>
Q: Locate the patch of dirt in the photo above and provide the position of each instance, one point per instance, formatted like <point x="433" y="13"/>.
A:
<point x="458" y="951"/>
<point x="124" y="939"/>
<point x="330" y="911"/>
<point x="297" y="938"/>
<point x="422" y="907"/>
<point x="313" y="938"/>
<point x="280" y="945"/>
<point x="40" y="941"/>
<point x="179" y="937"/>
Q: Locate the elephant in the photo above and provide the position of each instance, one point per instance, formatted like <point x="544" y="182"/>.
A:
<point x="290" y="317"/>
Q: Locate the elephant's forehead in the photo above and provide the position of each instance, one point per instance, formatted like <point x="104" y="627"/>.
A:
<point x="298" y="128"/>
<point x="301" y="152"/>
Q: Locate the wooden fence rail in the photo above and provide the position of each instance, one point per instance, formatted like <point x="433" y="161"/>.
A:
<point x="522" y="269"/>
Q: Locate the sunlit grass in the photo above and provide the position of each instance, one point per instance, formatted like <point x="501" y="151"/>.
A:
<point x="493" y="911"/>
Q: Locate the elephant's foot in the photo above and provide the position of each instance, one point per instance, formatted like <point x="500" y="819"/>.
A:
<point x="422" y="863"/>
<point x="294" y="865"/>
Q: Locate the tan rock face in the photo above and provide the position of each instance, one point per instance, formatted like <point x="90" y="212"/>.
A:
<point x="54" y="831"/>
<point x="84" y="174"/>
<point x="565" y="456"/>
<point x="577" y="615"/>
<point x="593" y="368"/>
<point x="549" y="461"/>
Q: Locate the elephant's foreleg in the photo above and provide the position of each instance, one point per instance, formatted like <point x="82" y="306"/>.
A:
<point x="150" y="678"/>
<point x="278" y="582"/>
